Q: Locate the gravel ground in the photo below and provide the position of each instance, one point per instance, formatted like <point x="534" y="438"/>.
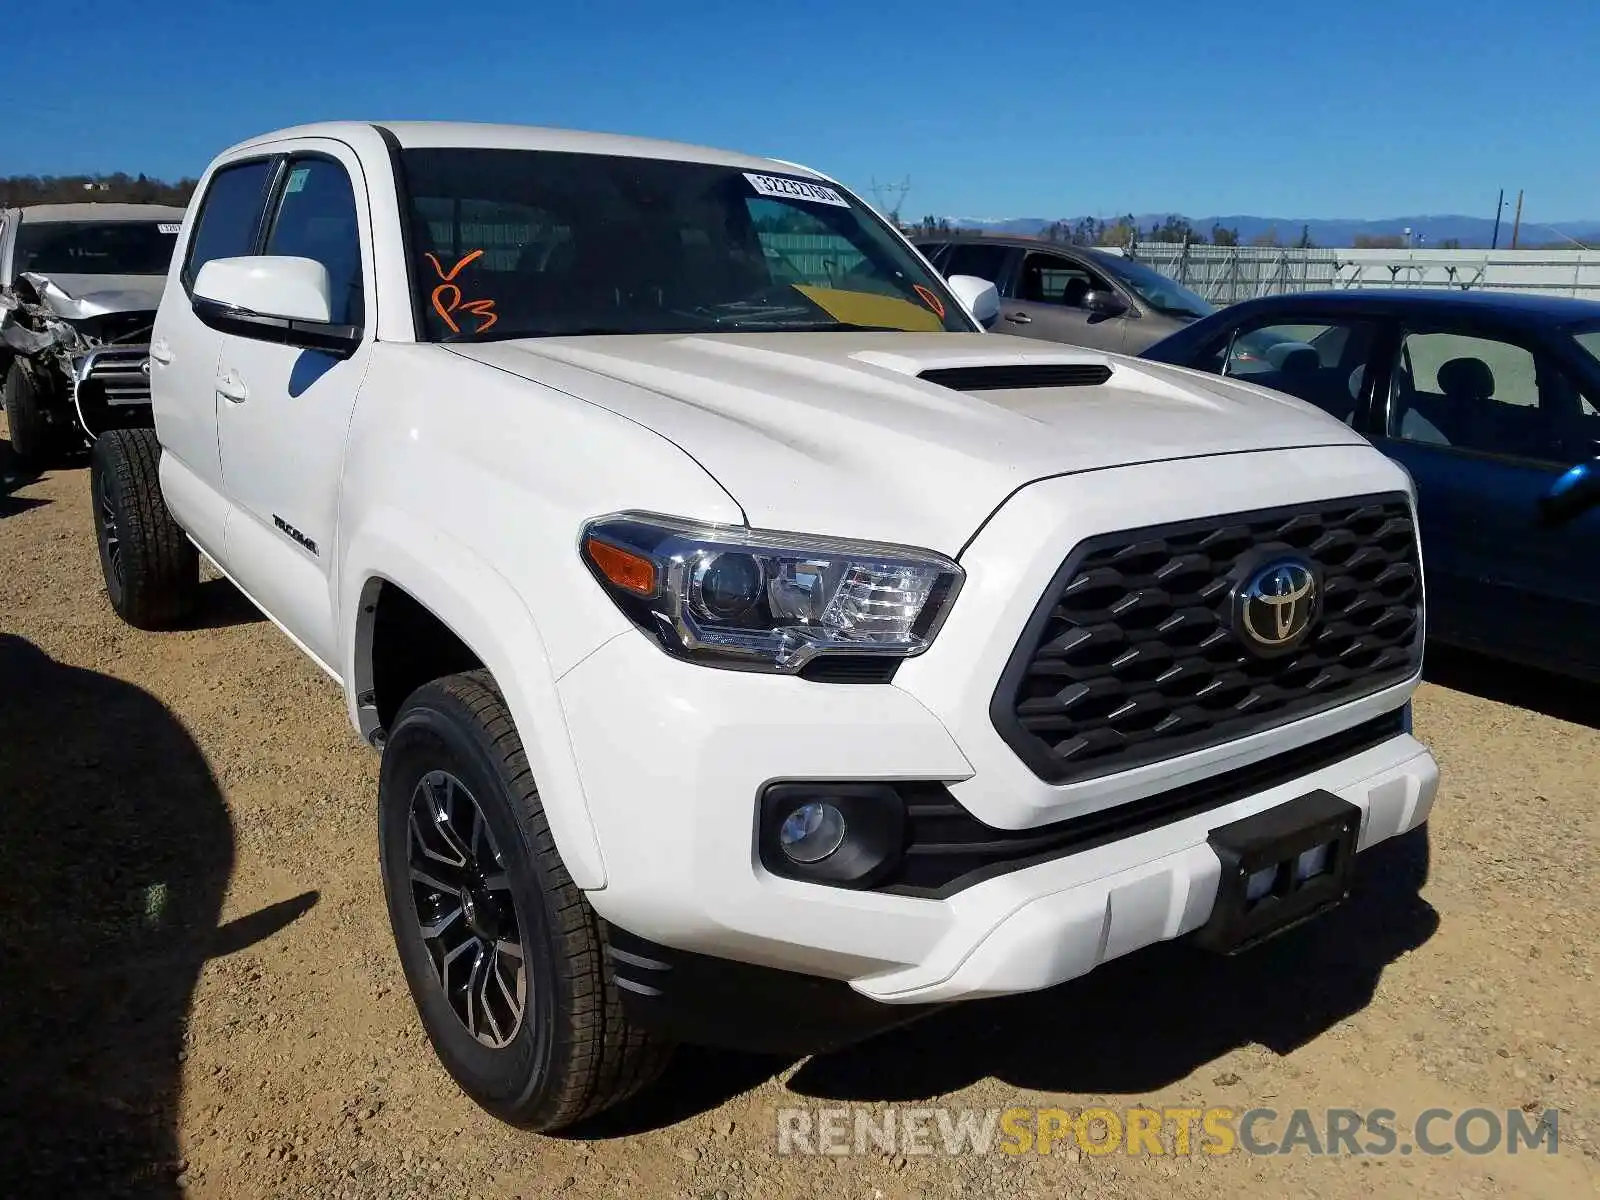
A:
<point x="198" y="993"/>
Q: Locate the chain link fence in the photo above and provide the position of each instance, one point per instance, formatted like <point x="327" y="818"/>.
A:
<point x="1227" y="274"/>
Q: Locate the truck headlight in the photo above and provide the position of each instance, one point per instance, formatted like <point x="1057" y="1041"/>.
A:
<point x="753" y="599"/>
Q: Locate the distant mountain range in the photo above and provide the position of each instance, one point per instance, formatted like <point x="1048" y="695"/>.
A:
<point x="1427" y="231"/>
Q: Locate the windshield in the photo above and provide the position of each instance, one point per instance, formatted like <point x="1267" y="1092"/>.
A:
<point x="531" y="243"/>
<point x="1159" y="292"/>
<point x="94" y="247"/>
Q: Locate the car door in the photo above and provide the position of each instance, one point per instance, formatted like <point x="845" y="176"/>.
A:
<point x="1483" y="419"/>
<point x="1046" y="302"/>
<point x="184" y="351"/>
<point x="285" y="410"/>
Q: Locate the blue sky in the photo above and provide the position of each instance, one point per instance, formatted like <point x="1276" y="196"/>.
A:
<point x="1347" y="108"/>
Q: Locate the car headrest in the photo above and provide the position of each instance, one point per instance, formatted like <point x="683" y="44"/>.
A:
<point x="1302" y="360"/>
<point x="1466" y="379"/>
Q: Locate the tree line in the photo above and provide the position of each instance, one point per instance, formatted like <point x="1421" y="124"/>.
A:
<point x="19" y="191"/>
<point x="1092" y="231"/>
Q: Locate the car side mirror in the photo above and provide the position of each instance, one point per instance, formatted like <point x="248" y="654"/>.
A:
<point x="1572" y="494"/>
<point x="980" y="296"/>
<point x="1104" y="304"/>
<point x="274" y="298"/>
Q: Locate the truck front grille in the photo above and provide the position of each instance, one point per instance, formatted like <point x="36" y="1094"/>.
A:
<point x="1132" y="655"/>
<point x="115" y="375"/>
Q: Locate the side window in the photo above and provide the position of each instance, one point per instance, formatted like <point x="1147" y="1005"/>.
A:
<point x="1323" y="362"/>
<point x="932" y="251"/>
<point x="1051" y="279"/>
<point x="229" y="214"/>
<point x="1478" y="393"/>
<point x="316" y="219"/>
<point x="969" y="258"/>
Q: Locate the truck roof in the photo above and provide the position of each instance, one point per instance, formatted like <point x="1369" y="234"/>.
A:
<point x="100" y="212"/>
<point x="487" y="135"/>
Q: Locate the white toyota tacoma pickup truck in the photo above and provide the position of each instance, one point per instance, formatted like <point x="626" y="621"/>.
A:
<point x="761" y="653"/>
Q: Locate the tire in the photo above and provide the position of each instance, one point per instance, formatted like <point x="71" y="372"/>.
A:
<point x="151" y="570"/>
<point x="33" y="436"/>
<point x="572" y="1053"/>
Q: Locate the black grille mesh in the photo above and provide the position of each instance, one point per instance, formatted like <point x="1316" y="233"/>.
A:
<point x="1019" y="375"/>
<point x="1131" y="657"/>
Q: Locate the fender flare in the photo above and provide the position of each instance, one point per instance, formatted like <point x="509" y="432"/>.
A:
<point x="480" y="607"/>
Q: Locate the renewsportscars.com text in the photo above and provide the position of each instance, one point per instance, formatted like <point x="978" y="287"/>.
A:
<point x="1179" y="1132"/>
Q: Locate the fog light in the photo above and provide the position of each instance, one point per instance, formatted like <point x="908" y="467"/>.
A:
<point x="811" y="832"/>
<point x="1312" y="862"/>
<point x="1260" y="883"/>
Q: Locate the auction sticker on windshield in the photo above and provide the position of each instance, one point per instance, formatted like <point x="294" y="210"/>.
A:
<point x="169" y="227"/>
<point x="783" y="188"/>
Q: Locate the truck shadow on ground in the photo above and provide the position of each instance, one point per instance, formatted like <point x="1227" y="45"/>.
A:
<point x="1153" y="1018"/>
<point x="1543" y="692"/>
<point x="115" y="850"/>
<point x="1132" y="1026"/>
<point x="221" y="605"/>
<point x="14" y="475"/>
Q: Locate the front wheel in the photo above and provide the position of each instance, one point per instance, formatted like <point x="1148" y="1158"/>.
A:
<point x="151" y="569"/>
<point x="504" y="957"/>
<point x="33" y="436"/>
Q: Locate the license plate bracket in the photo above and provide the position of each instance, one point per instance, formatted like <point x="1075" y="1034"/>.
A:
<point x="1280" y="868"/>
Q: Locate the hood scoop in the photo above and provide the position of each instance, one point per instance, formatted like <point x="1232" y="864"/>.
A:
<point x="1018" y="375"/>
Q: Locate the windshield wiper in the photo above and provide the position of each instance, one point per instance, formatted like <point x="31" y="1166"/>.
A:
<point x="503" y="335"/>
<point x="814" y="327"/>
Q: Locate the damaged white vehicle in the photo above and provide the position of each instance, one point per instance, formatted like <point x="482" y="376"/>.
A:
<point x="79" y="286"/>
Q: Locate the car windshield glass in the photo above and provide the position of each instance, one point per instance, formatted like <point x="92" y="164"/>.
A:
<point x="1159" y="292"/>
<point x="529" y="243"/>
<point x="94" y="247"/>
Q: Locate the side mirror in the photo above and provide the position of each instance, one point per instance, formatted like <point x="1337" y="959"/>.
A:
<point x="1573" y="494"/>
<point x="980" y="296"/>
<point x="1104" y="304"/>
<point x="274" y="298"/>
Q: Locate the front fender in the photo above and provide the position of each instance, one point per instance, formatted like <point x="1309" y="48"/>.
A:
<point x="480" y="606"/>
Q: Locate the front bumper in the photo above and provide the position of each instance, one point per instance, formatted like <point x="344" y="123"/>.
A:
<point x="673" y="757"/>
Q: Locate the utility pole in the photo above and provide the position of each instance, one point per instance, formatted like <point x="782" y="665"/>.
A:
<point x="1516" y="224"/>
<point x="898" y="190"/>
<point x="1499" y="207"/>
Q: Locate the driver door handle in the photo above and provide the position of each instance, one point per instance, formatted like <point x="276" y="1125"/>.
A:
<point x="232" y="387"/>
<point x="1019" y="318"/>
<point x="161" y="352"/>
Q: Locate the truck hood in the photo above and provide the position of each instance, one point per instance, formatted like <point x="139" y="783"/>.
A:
<point x="77" y="297"/>
<point x="838" y="433"/>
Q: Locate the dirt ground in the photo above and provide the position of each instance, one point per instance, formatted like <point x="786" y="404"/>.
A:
<point x="198" y="993"/>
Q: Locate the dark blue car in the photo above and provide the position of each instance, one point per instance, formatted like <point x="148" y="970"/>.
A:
<point x="1492" y="402"/>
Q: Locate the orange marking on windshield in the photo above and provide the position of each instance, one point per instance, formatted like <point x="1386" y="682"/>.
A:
<point x="930" y="299"/>
<point x="482" y="308"/>
<point x="446" y="308"/>
<point x="450" y="275"/>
